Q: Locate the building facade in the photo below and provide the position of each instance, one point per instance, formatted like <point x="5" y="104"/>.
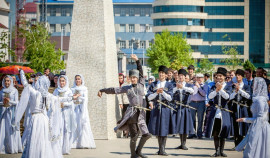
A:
<point x="31" y="12"/>
<point x="210" y="24"/>
<point x="207" y="24"/>
<point x="133" y="27"/>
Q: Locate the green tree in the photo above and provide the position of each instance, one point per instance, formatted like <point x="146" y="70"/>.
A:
<point x="234" y="59"/>
<point x="205" y="66"/>
<point x="4" y="48"/>
<point x="40" y="51"/>
<point x="171" y="50"/>
<point x="248" y="65"/>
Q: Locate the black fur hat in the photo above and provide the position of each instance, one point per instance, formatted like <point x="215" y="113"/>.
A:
<point x="182" y="71"/>
<point x="240" y="72"/>
<point x="222" y="70"/>
<point x="163" y="69"/>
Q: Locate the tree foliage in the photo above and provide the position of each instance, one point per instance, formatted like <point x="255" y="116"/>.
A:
<point x="40" y="51"/>
<point x="248" y="65"/>
<point x="171" y="50"/>
<point x="234" y="59"/>
<point x="205" y="66"/>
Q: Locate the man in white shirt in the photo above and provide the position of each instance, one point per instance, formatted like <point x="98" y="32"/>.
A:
<point x="159" y="123"/>
<point x="240" y="95"/>
<point x="219" y="122"/>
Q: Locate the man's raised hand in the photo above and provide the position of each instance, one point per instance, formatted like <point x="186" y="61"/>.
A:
<point x="134" y="57"/>
<point x="99" y="94"/>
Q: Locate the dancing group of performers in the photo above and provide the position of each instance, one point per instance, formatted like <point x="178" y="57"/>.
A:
<point x="174" y="103"/>
<point x="53" y="123"/>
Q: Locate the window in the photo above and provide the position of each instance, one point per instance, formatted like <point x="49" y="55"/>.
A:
<point x="52" y="12"/>
<point x="224" y="0"/>
<point x="63" y="26"/>
<point x="224" y="23"/>
<point x="63" y="12"/>
<point x="150" y="11"/>
<point x="122" y="28"/>
<point x="218" y="36"/>
<point x="116" y="11"/>
<point x="195" y="48"/>
<point x="52" y="27"/>
<point x="190" y="23"/>
<point x="131" y="12"/>
<point x="142" y="28"/>
<point x="201" y="8"/>
<point x="142" y="44"/>
<point x="122" y="44"/>
<point x="130" y="44"/>
<point x="150" y="28"/>
<point x="131" y="28"/>
<point x="122" y="12"/>
<point x="178" y="8"/>
<point x="224" y="10"/>
<point x="179" y="21"/>
<point x="142" y="12"/>
<point x="70" y="11"/>
<point x="189" y="35"/>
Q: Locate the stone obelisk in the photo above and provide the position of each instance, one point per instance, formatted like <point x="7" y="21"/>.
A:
<point x="92" y="53"/>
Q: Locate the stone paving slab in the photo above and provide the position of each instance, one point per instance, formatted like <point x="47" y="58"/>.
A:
<point x="119" y="148"/>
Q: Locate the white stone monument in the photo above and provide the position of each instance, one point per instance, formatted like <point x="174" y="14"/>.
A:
<point x="92" y="53"/>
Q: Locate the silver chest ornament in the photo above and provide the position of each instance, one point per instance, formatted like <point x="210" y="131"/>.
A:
<point x="77" y="101"/>
<point x="61" y="94"/>
<point x="6" y="95"/>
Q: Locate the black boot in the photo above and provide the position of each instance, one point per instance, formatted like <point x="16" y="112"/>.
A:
<point x="144" y="138"/>
<point x="163" y="144"/>
<point x="216" y="142"/>
<point x="159" y="145"/>
<point x="133" y="141"/>
<point x="222" y="144"/>
<point x="183" y="142"/>
<point x="180" y="147"/>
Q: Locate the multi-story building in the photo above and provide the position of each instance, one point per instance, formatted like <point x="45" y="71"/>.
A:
<point x="4" y="23"/>
<point x="203" y="22"/>
<point x="31" y="12"/>
<point x="133" y="27"/>
<point x="206" y="22"/>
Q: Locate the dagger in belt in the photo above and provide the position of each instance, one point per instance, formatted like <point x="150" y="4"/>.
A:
<point x="187" y="106"/>
<point x="165" y="105"/>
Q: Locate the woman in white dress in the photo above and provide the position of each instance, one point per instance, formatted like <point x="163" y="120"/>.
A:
<point x="10" y="139"/>
<point x="42" y="130"/>
<point x="68" y="123"/>
<point x="257" y="140"/>
<point x="83" y="137"/>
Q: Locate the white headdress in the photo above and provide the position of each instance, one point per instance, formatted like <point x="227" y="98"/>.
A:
<point x="260" y="87"/>
<point x="11" y="87"/>
<point x="66" y="87"/>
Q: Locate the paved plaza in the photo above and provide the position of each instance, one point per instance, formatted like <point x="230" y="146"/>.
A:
<point x="119" y="148"/>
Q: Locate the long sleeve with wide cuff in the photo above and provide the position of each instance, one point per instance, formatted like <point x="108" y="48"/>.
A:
<point x="221" y="92"/>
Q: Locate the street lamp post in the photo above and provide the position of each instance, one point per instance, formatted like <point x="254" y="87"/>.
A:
<point x="120" y="55"/>
<point x="132" y="40"/>
<point x="62" y="34"/>
<point x="143" y="53"/>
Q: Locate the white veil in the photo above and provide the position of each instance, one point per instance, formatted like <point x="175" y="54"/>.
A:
<point x="260" y="87"/>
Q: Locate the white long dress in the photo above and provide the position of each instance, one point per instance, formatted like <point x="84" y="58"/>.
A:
<point x="42" y="131"/>
<point x="83" y="137"/>
<point x="68" y="124"/>
<point x="257" y="140"/>
<point x="10" y="139"/>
